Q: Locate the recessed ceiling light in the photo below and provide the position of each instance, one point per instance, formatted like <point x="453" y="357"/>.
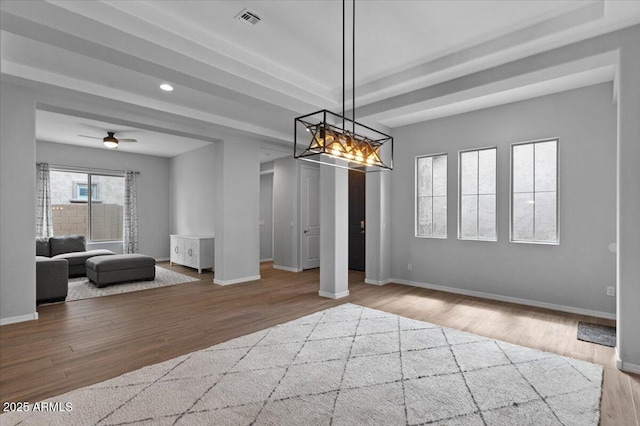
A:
<point x="166" y="87"/>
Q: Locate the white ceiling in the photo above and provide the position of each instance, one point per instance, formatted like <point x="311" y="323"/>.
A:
<point x="233" y="77"/>
<point x="66" y="129"/>
<point x="62" y="128"/>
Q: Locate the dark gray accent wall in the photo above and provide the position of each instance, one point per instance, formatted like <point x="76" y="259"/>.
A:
<point x="574" y="273"/>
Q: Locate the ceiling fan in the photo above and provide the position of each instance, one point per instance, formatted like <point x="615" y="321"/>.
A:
<point x="110" y="140"/>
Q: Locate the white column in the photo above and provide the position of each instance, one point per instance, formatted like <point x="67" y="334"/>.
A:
<point x="237" y="212"/>
<point x="17" y="205"/>
<point x="286" y="207"/>
<point x="334" y="232"/>
<point x="628" y="223"/>
<point x="378" y="228"/>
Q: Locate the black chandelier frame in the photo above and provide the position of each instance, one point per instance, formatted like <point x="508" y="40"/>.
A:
<point x="324" y="119"/>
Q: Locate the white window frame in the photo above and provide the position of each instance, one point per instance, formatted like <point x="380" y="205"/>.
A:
<point x="95" y="190"/>
<point x="460" y="237"/>
<point x="533" y="142"/>
<point x="89" y="173"/>
<point x="415" y="196"/>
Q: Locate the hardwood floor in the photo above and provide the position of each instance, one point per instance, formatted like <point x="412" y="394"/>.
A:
<point x="79" y="343"/>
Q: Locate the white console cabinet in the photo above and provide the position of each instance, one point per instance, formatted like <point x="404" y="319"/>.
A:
<point x="195" y="251"/>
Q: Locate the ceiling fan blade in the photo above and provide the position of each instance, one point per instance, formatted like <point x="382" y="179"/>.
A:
<point x="90" y="137"/>
<point x="127" y="140"/>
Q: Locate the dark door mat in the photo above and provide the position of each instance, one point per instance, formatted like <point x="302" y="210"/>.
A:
<point x="595" y="333"/>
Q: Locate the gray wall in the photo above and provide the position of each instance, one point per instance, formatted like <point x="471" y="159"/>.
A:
<point x="193" y="193"/>
<point x="574" y="273"/>
<point x="152" y="185"/>
<point x="266" y="216"/>
<point x="17" y="204"/>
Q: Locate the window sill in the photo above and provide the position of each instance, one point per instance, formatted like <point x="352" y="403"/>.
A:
<point x="542" y="243"/>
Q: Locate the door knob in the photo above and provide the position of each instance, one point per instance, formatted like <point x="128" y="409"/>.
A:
<point x="306" y="230"/>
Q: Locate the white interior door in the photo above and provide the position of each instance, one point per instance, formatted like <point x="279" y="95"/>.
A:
<point x="310" y="217"/>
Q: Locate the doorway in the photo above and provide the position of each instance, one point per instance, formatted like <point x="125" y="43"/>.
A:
<point x="357" y="220"/>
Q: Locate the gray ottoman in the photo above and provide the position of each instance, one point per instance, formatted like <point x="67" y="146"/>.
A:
<point x="120" y="268"/>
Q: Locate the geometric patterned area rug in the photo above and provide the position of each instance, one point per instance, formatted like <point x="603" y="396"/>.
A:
<point x="595" y="333"/>
<point x="82" y="288"/>
<point x="346" y="365"/>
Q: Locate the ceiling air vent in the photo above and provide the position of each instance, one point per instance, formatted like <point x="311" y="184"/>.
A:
<point x="248" y="17"/>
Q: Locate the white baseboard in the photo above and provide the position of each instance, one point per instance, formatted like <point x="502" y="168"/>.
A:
<point x="333" y="295"/>
<point x="21" y="318"/>
<point x="628" y="367"/>
<point x="237" y="280"/>
<point x="269" y="259"/>
<point x="376" y="282"/>
<point x="163" y="259"/>
<point x="287" y="268"/>
<point x="491" y="296"/>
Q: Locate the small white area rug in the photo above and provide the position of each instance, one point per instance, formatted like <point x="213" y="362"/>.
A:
<point x="82" y="288"/>
<point x="346" y="365"/>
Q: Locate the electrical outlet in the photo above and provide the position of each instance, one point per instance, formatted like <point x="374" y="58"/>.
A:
<point x="409" y="267"/>
<point x="611" y="291"/>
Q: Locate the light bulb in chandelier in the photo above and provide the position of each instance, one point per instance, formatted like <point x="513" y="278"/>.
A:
<point x="336" y="148"/>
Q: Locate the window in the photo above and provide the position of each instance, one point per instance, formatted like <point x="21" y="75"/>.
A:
<point x="431" y="191"/>
<point x="477" y="192"/>
<point x="534" y="197"/>
<point x="81" y="191"/>
<point x="98" y="220"/>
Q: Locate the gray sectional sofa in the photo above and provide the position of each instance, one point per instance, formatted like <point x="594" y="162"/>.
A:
<point x="73" y="248"/>
<point x="51" y="279"/>
<point x="58" y="259"/>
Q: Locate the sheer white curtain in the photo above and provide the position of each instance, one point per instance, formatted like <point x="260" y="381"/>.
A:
<point x="44" y="217"/>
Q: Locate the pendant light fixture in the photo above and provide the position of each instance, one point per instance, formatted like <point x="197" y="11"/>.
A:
<point x="334" y="136"/>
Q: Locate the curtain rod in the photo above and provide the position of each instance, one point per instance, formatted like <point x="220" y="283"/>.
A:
<point x="87" y="169"/>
